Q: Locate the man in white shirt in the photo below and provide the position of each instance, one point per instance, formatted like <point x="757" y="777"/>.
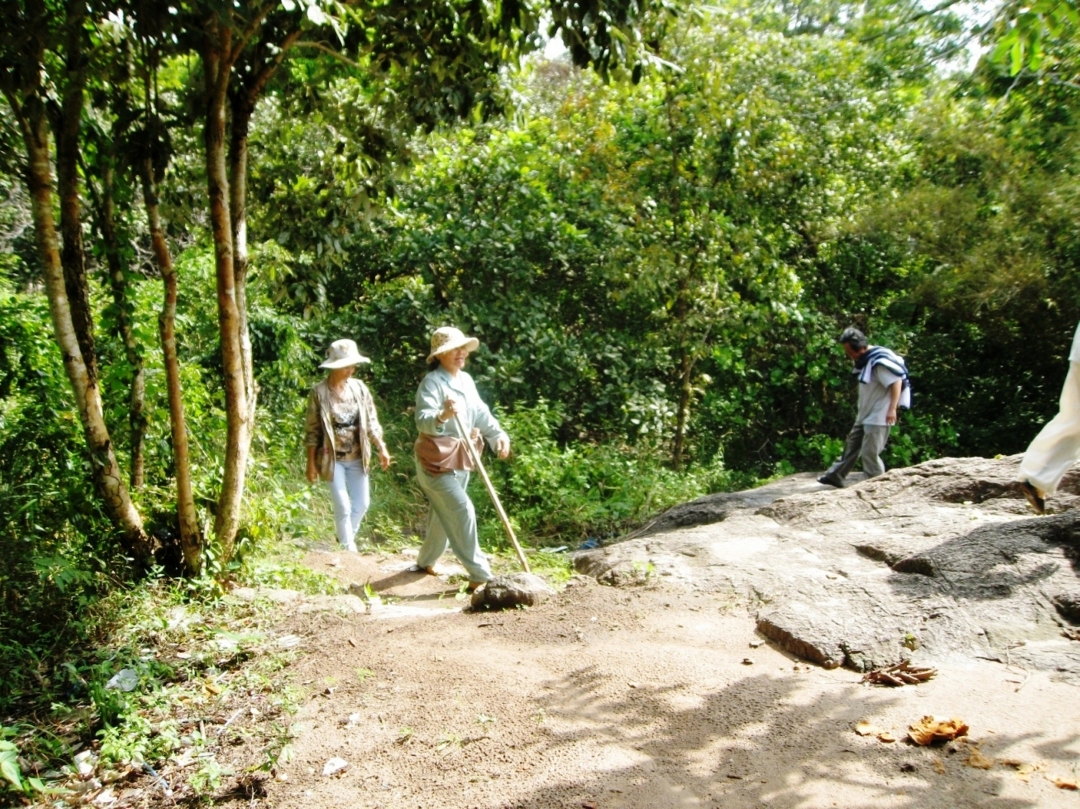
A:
<point x="883" y="387"/>
<point x="1057" y="446"/>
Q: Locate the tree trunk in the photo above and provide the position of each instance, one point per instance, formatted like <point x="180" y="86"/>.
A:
<point x="216" y="71"/>
<point x="191" y="541"/>
<point x="682" y="304"/>
<point x="242" y="106"/>
<point x="106" y="472"/>
<point x="682" y="413"/>
<point x="125" y="328"/>
<point x="68" y="126"/>
<point x="242" y="111"/>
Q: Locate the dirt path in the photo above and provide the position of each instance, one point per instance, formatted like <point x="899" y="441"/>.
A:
<point x="649" y="696"/>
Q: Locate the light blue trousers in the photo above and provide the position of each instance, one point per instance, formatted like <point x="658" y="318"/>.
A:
<point x="351" y="496"/>
<point x="452" y="521"/>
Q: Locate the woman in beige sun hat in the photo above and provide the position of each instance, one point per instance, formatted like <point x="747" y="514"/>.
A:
<point x="449" y="411"/>
<point x="341" y="426"/>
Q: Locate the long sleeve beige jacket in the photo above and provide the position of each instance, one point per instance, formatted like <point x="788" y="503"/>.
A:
<point x="319" y="432"/>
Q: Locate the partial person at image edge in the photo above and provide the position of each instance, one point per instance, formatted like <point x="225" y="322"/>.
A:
<point x="883" y="388"/>
<point x="340" y="428"/>
<point x="1057" y="446"/>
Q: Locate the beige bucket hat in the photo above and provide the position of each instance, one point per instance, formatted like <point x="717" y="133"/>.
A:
<point x="447" y="338"/>
<point x="343" y="354"/>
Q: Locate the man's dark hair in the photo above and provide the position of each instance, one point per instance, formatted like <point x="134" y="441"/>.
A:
<point x="854" y="338"/>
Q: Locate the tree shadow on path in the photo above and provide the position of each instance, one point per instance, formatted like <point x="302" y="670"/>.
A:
<point x="757" y="742"/>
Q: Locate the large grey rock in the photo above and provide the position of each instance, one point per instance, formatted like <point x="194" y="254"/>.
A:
<point x="939" y="560"/>
<point x="506" y="592"/>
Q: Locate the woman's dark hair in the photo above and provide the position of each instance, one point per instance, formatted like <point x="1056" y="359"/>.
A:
<point x="433" y="364"/>
<point x="854" y="338"/>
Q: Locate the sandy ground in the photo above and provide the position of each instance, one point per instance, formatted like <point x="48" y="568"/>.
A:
<point x="657" y="695"/>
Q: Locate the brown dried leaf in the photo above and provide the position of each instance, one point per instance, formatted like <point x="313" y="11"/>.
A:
<point x="929" y="730"/>
<point x="1023" y="769"/>
<point x="1066" y="783"/>
<point x="938" y="765"/>
<point x="864" y="728"/>
<point x="886" y="737"/>
<point x="978" y="760"/>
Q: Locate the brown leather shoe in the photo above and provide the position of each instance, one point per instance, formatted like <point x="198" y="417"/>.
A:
<point x="1035" y="500"/>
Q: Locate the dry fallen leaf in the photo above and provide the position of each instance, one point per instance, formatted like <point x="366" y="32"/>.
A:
<point x="938" y="765"/>
<point x="929" y="730"/>
<point x="978" y="760"/>
<point x="866" y="729"/>
<point x="886" y="737"/>
<point x="1023" y="769"/>
<point x="1066" y="783"/>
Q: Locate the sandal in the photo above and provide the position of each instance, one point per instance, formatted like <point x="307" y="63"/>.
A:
<point x="429" y="570"/>
<point x="1033" y="496"/>
<point x="474" y="586"/>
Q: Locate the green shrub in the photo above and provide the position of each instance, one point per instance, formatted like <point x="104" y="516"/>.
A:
<point x="566" y="494"/>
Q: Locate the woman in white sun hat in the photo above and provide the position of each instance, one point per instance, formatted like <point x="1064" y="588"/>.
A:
<point x="448" y="412"/>
<point x="340" y="429"/>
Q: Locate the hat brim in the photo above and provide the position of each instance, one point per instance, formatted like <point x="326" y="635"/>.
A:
<point x="345" y="362"/>
<point x="471" y="343"/>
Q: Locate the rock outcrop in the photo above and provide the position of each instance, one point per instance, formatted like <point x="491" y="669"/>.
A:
<point x="935" y="561"/>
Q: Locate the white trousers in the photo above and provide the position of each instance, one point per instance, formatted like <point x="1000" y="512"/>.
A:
<point x="1057" y="446"/>
<point x="350" y="493"/>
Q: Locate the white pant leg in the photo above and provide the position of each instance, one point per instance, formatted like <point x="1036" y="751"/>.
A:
<point x="350" y="494"/>
<point x="1057" y="446"/>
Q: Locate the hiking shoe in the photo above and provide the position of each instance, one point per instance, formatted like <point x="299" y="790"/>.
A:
<point x="828" y="481"/>
<point x="1034" y="499"/>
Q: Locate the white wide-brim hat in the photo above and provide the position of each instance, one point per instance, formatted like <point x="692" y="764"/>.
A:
<point x="447" y="338"/>
<point x="343" y="354"/>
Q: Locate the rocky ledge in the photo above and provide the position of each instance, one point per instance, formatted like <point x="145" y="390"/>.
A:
<point x="938" y="561"/>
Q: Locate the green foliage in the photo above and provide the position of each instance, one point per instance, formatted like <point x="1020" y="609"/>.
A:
<point x="12" y="778"/>
<point x="568" y="493"/>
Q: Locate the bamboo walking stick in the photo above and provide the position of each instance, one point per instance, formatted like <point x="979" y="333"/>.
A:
<point x="491" y="490"/>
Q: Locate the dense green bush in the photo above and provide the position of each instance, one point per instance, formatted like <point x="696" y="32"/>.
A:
<point x="567" y="493"/>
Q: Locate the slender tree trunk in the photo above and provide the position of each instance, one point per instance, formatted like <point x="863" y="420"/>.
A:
<point x="238" y="163"/>
<point x="216" y="71"/>
<point x="682" y="304"/>
<point x="191" y="540"/>
<point x="242" y="107"/>
<point x="117" y="273"/>
<point x="68" y="126"/>
<point x="106" y="472"/>
<point x="686" y="367"/>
